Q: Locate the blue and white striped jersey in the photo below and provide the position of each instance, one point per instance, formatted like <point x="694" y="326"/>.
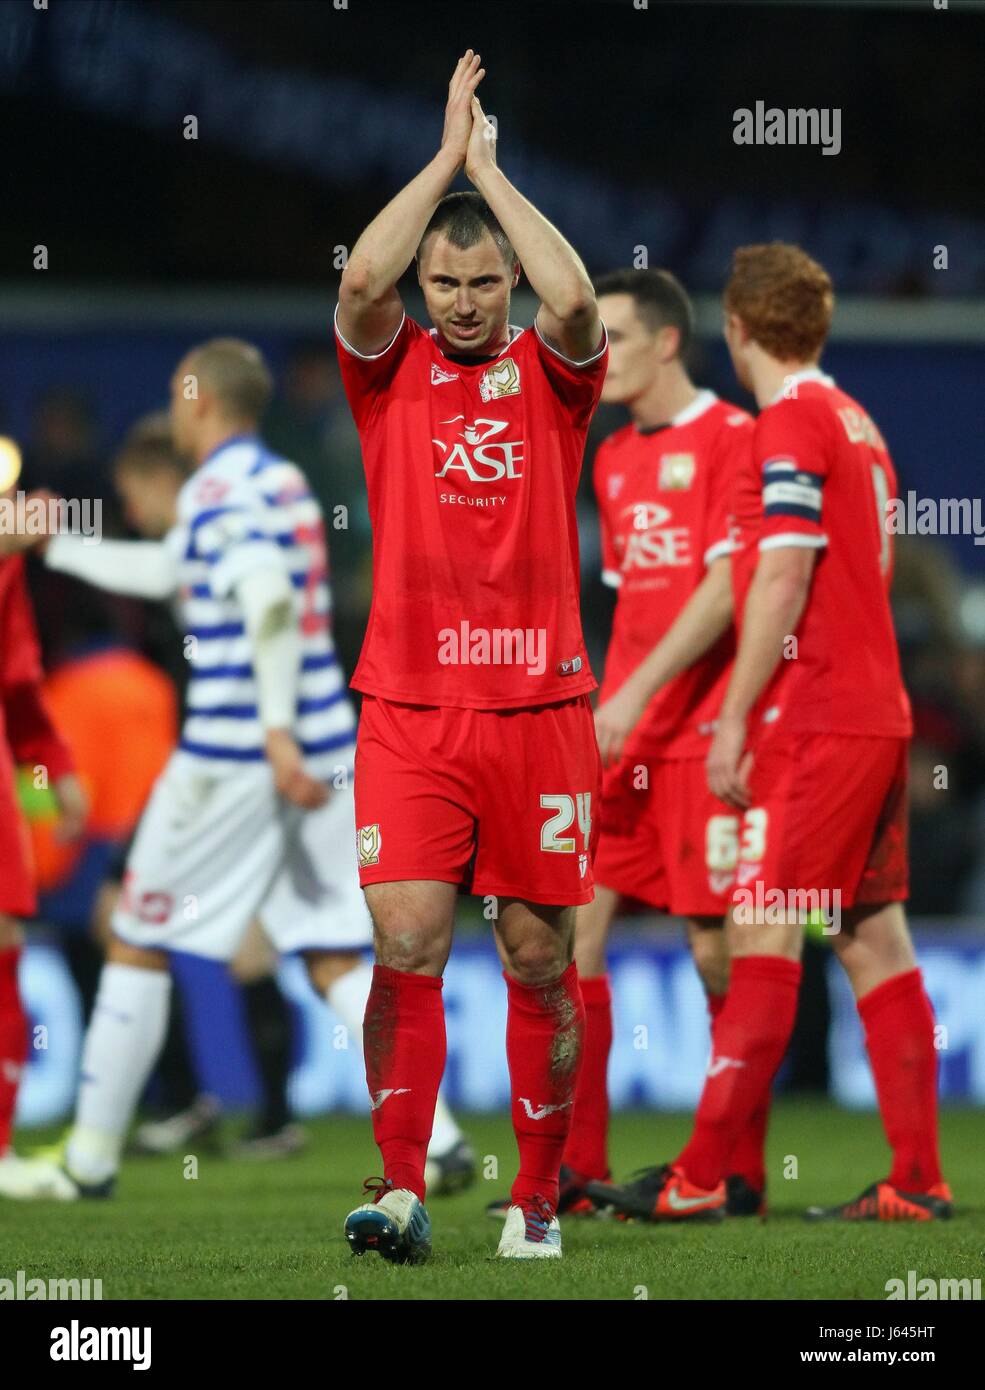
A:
<point x="241" y="511"/>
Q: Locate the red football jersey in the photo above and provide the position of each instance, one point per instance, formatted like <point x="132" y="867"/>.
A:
<point x="820" y="475"/>
<point x="664" y="499"/>
<point x="471" y="471"/>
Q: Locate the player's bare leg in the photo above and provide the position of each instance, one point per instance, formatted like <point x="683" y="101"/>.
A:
<point x="404" y="1048"/>
<point x="874" y="946"/>
<point x="544" y="1034"/>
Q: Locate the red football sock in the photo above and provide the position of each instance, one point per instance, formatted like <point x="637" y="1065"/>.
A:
<point x="748" y="1158"/>
<point x="750" y="1038"/>
<point x="404" y="1047"/>
<point x="545" y="1025"/>
<point x="585" y="1150"/>
<point x="899" y="1035"/>
<point x="13" y="1041"/>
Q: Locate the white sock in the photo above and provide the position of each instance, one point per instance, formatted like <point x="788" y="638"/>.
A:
<point x="348" y="996"/>
<point x="125" y="1035"/>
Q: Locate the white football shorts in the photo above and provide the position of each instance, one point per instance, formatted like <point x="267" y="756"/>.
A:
<point x="212" y="853"/>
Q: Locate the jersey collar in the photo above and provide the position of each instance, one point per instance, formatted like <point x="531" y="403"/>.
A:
<point x="461" y="360"/>
<point x="808" y="374"/>
<point x="228" y="455"/>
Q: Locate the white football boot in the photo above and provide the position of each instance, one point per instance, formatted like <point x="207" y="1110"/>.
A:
<point x="533" y="1233"/>
<point x="34" y="1179"/>
<point x="395" y="1224"/>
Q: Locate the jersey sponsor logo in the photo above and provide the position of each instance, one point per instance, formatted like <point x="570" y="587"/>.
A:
<point x="376" y="1101"/>
<point x="649" y="544"/>
<point x="677" y="471"/>
<point x="541" y="1112"/>
<point x="368" y="842"/>
<point x="476" y="454"/>
<point x="439" y="377"/>
<point x="502" y="379"/>
<point x="717" y="1065"/>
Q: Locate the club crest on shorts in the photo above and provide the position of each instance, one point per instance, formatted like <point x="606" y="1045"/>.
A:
<point x="368" y="841"/>
<point x="677" y="471"/>
<point x="502" y="379"/>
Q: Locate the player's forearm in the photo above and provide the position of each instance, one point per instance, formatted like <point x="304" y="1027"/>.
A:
<point x="700" y="623"/>
<point x="772" y="612"/>
<point x="387" y="246"/>
<point x="140" y="569"/>
<point x="275" y="644"/>
<point x="553" y="267"/>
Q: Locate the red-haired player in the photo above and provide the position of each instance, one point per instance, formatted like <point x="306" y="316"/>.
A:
<point x="27" y="737"/>
<point x="811" y="746"/>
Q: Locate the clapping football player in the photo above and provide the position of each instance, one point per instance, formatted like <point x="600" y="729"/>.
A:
<point x="476" y="765"/>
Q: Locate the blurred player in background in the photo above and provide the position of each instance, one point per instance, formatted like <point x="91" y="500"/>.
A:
<point x="253" y="813"/>
<point x="477" y="766"/>
<point x="811" y="747"/>
<point x="149" y="476"/>
<point x="28" y="737"/>
<point x="664" y="485"/>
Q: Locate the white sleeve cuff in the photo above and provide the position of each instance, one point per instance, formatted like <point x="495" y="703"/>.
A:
<point x="716" y="551"/>
<point x="366" y="356"/>
<point x="802" y="539"/>
<point x="613" y="578"/>
<point x="586" y="361"/>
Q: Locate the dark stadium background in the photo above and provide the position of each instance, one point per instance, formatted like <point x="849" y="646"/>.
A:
<point x="617" y="122"/>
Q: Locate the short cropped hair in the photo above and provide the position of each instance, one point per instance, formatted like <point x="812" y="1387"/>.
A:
<point x="236" y="374"/>
<point x="660" y="298"/>
<point x="784" y="299"/>
<point x="149" y="446"/>
<point x="465" y="218"/>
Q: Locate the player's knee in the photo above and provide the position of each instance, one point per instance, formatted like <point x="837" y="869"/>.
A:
<point x="413" y="947"/>
<point x="539" y="961"/>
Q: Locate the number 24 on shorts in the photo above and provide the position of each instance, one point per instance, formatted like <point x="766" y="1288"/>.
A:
<point x="566" y="810"/>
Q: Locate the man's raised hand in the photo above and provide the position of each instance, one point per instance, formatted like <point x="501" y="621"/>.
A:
<point x="481" y="153"/>
<point x="458" y="113"/>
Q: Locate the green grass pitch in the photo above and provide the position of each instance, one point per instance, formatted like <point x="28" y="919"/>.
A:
<point x="274" y="1230"/>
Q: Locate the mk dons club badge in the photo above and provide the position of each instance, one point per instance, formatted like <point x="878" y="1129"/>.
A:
<point x="502" y="379"/>
<point x="677" y="471"/>
<point x="368" y="843"/>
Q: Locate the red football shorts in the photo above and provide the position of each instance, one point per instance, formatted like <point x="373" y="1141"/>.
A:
<point x="665" y="839"/>
<point x="829" y="812"/>
<point x="501" y="802"/>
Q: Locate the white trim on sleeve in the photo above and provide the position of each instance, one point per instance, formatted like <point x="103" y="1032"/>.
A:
<point x="799" y="539"/>
<point x="366" y="356"/>
<point x="716" y="551"/>
<point x="585" y="362"/>
<point x="613" y="578"/>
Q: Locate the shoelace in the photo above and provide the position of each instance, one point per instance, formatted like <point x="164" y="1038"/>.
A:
<point x="537" y="1219"/>
<point x="377" y="1187"/>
